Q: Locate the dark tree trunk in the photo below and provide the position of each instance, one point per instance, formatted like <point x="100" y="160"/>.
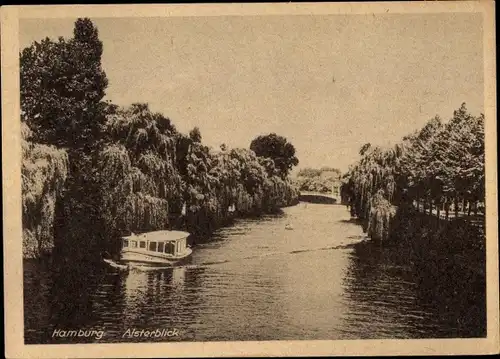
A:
<point x="475" y="208"/>
<point x="469" y="209"/>
<point x="456" y="207"/>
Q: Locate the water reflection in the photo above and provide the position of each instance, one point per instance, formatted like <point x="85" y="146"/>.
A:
<point x="154" y="299"/>
<point x="178" y="278"/>
<point x="377" y="287"/>
<point x="37" y="286"/>
<point x="409" y="298"/>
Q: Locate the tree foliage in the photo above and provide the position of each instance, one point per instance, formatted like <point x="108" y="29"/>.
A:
<point x="43" y="174"/>
<point x="278" y="149"/>
<point x="439" y="167"/>
<point x="93" y="171"/>
<point x="318" y="180"/>
<point x="150" y="173"/>
<point x="195" y="135"/>
<point x="62" y="85"/>
<point x="137" y="170"/>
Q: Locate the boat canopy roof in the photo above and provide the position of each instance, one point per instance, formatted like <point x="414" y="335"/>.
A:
<point x="159" y="236"/>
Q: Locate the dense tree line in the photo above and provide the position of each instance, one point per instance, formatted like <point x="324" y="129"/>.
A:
<point x="92" y="171"/>
<point x="438" y="170"/>
<point x="318" y="180"/>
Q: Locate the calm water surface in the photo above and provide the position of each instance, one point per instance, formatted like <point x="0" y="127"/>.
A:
<point x="256" y="280"/>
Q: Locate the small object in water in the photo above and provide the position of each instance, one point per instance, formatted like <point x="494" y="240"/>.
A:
<point x="289" y="226"/>
<point x="155" y="248"/>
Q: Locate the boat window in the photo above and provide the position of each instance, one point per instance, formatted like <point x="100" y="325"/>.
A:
<point x="169" y="248"/>
<point x="160" y="246"/>
<point x="125" y="243"/>
<point x="133" y="244"/>
<point x="142" y="244"/>
<point x="152" y="246"/>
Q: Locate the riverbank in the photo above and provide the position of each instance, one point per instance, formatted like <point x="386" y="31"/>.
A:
<point x="427" y="237"/>
<point x="201" y="228"/>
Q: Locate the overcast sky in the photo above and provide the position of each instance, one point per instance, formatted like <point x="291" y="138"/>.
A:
<point x="328" y="84"/>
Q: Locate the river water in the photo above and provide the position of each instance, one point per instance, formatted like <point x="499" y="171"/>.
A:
<point x="256" y="280"/>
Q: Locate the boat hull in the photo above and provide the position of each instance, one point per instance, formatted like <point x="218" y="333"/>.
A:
<point x="131" y="256"/>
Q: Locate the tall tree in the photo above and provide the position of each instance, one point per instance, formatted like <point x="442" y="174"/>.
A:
<point x="195" y="135"/>
<point x="278" y="149"/>
<point x="62" y="86"/>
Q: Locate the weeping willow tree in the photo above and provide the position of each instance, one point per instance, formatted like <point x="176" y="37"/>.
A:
<point x="137" y="169"/>
<point x="43" y="174"/>
<point x="382" y="213"/>
<point x="375" y="173"/>
<point x="215" y="182"/>
<point x="153" y="177"/>
<point x="236" y="179"/>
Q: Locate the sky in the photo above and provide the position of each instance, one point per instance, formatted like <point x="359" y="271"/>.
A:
<point x="329" y="83"/>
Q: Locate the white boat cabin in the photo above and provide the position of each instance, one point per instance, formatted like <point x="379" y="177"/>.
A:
<point x="164" y="242"/>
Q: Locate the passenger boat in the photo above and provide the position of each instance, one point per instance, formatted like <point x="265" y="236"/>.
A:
<point x="155" y="248"/>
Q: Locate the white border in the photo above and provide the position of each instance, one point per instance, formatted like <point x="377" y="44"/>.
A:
<point x="11" y="155"/>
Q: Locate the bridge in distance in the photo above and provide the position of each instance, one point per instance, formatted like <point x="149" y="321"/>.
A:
<point x="319" y="197"/>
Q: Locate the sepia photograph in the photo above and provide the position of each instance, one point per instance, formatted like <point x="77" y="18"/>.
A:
<point x="250" y="174"/>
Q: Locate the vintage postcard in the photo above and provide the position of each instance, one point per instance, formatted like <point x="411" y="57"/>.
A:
<point x="250" y="180"/>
